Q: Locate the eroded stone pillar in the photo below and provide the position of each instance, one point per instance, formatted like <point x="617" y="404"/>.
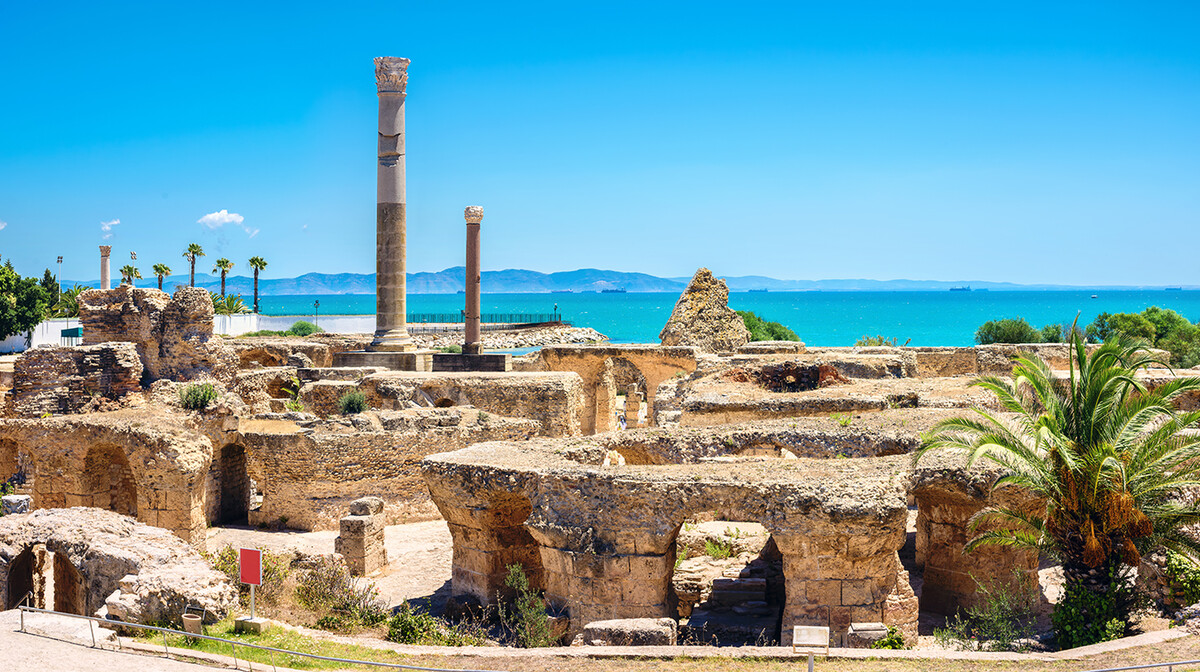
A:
<point x="105" y="250"/>
<point x="472" y="344"/>
<point x="391" y="333"/>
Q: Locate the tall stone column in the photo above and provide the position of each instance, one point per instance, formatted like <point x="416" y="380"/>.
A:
<point x="473" y="344"/>
<point x="105" y="283"/>
<point x="391" y="334"/>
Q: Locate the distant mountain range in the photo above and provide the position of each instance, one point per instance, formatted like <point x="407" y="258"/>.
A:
<point x="519" y="281"/>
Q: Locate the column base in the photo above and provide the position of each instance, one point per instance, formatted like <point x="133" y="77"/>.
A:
<point x="475" y="348"/>
<point x="392" y="340"/>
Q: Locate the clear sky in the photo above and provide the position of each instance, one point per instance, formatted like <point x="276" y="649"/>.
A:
<point x="995" y="141"/>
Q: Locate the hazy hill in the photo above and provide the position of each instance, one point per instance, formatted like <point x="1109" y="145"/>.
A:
<point x="516" y="280"/>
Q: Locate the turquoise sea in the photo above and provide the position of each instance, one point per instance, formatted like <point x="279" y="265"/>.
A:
<point x="820" y="318"/>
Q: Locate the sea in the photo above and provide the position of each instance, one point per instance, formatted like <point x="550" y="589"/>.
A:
<point x="819" y="318"/>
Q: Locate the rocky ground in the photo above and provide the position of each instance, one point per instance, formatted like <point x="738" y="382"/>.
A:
<point x="514" y="338"/>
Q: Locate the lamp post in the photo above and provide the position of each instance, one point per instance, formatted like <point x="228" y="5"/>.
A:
<point x="316" y="307"/>
<point x="58" y="281"/>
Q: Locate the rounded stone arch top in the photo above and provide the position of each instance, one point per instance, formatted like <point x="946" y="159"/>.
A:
<point x="391" y="74"/>
<point x="473" y="214"/>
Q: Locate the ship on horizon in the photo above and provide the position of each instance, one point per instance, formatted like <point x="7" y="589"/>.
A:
<point x="963" y="288"/>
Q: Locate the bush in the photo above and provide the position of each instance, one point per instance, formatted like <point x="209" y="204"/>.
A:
<point x="998" y="622"/>
<point x="1007" y="331"/>
<point x="878" y="341"/>
<point x="329" y="586"/>
<point x="454" y="349"/>
<point x="303" y="328"/>
<point x="893" y="640"/>
<point x="1185" y="575"/>
<point x="1160" y="327"/>
<point x="294" y="405"/>
<point x="762" y="330"/>
<point x="1084" y="616"/>
<point x="719" y="549"/>
<point x="410" y="626"/>
<point x="352" y="402"/>
<point x="526" y="619"/>
<point x="197" y="396"/>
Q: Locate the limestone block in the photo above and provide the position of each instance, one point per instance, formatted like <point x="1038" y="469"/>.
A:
<point x="702" y="317"/>
<point x="366" y="506"/>
<point x="630" y="632"/>
<point x="70" y="379"/>
<point x="13" y="504"/>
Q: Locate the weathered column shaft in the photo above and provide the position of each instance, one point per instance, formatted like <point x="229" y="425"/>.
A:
<point x="473" y="344"/>
<point x="105" y="282"/>
<point x="391" y="333"/>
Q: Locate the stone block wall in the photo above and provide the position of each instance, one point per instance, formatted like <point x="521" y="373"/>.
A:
<point x="65" y="380"/>
<point x="173" y="334"/>
<point x="360" y="540"/>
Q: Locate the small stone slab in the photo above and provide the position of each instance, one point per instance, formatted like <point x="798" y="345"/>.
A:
<point x="13" y="504"/>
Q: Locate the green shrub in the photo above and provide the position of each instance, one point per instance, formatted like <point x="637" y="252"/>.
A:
<point x="1084" y="616"/>
<point x="1160" y="327"/>
<point x="303" y="328"/>
<point x="526" y="619"/>
<point x="1007" y="331"/>
<point x="843" y="419"/>
<point x="998" y="622"/>
<point x="718" y="549"/>
<point x="454" y="349"/>
<point x="196" y="397"/>
<point x="352" y="402"/>
<point x="1185" y="575"/>
<point x="893" y="640"/>
<point x="329" y="586"/>
<point x="262" y="332"/>
<point x="294" y="405"/>
<point x="878" y="341"/>
<point x="762" y="330"/>
<point x="410" y="626"/>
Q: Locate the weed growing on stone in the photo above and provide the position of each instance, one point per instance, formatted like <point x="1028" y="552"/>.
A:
<point x="893" y="640"/>
<point x="843" y="419"/>
<point x="294" y="405"/>
<point x="328" y="586"/>
<point x="352" y="402"/>
<point x="1002" y="620"/>
<point x="718" y="549"/>
<point x="526" y="619"/>
<point x="197" y="396"/>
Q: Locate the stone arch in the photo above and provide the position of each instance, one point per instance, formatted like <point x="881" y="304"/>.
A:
<point x="232" y="487"/>
<point x="70" y="590"/>
<point x="626" y="373"/>
<point x="444" y="402"/>
<point x="20" y="580"/>
<point x="108" y="482"/>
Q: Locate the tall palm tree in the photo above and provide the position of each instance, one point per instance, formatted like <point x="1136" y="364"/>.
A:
<point x="193" y="252"/>
<point x="1109" y="457"/>
<point x="129" y="273"/>
<point x="161" y="270"/>
<point x="257" y="263"/>
<point x="222" y="266"/>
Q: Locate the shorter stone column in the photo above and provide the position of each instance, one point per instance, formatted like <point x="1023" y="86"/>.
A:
<point x="472" y="344"/>
<point x="633" y="406"/>
<point x="361" y="538"/>
<point x="105" y="283"/>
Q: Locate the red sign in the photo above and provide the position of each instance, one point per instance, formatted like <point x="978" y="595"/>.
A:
<point x="250" y="564"/>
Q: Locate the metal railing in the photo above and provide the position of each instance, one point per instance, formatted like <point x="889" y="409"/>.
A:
<point x="1170" y="666"/>
<point x="492" y="318"/>
<point x="232" y="644"/>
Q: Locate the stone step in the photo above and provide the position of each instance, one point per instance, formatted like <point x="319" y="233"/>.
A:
<point x="728" y="598"/>
<point x="739" y="584"/>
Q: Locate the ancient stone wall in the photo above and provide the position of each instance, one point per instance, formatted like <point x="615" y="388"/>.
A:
<point x="308" y="477"/>
<point x="948" y="495"/>
<point x="67" y="380"/>
<point x="100" y="560"/>
<point x="173" y="335"/>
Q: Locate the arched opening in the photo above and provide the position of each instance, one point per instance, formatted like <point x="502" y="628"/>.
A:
<point x="70" y="595"/>
<point x="16" y="467"/>
<point x="444" y="402"/>
<point x="727" y="586"/>
<point x="20" y="580"/>
<point x="233" y="485"/>
<point x="108" y="480"/>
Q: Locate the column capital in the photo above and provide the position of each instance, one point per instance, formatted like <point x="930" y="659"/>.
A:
<point x="105" y="250"/>
<point x="391" y="74"/>
<point x="473" y="214"/>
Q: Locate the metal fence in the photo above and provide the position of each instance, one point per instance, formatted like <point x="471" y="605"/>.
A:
<point x="232" y="644"/>
<point x="490" y="318"/>
<point x="1170" y="666"/>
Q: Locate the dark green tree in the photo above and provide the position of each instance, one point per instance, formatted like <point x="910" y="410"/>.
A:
<point x="23" y="302"/>
<point x="1007" y="331"/>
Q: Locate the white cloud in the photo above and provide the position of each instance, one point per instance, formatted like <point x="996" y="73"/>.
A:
<point x="106" y="228"/>
<point x="215" y="220"/>
<point x="3" y="224"/>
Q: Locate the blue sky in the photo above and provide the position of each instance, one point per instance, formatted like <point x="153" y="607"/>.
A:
<point x="991" y="141"/>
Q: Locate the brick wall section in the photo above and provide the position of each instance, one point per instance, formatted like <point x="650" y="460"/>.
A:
<point x="173" y="334"/>
<point x="65" y="380"/>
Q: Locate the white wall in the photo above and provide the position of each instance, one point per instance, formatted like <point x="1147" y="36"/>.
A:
<point x="334" y="324"/>
<point x="46" y="333"/>
<point x="236" y="325"/>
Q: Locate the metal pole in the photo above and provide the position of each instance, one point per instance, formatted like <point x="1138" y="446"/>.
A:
<point x="92" y="629"/>
<point x="810" y="662"/>
<point x="252" y="600"/>
<point x="233" y="649"/>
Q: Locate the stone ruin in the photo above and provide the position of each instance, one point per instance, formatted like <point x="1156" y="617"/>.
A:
<point x="702" y="317"/>
<point x="804" y="452"/>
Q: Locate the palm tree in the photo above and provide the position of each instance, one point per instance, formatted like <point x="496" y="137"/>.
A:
<point x="1110" y="459"/>
<point x="228" y="305"/>
<point x="192" y="252"/>
<point x="161" y="270"/>
<point x="222" y="266"/>
<point x="68" y="302"/>
<point x="257" y="263"/>
<point x="129" y="273"/>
